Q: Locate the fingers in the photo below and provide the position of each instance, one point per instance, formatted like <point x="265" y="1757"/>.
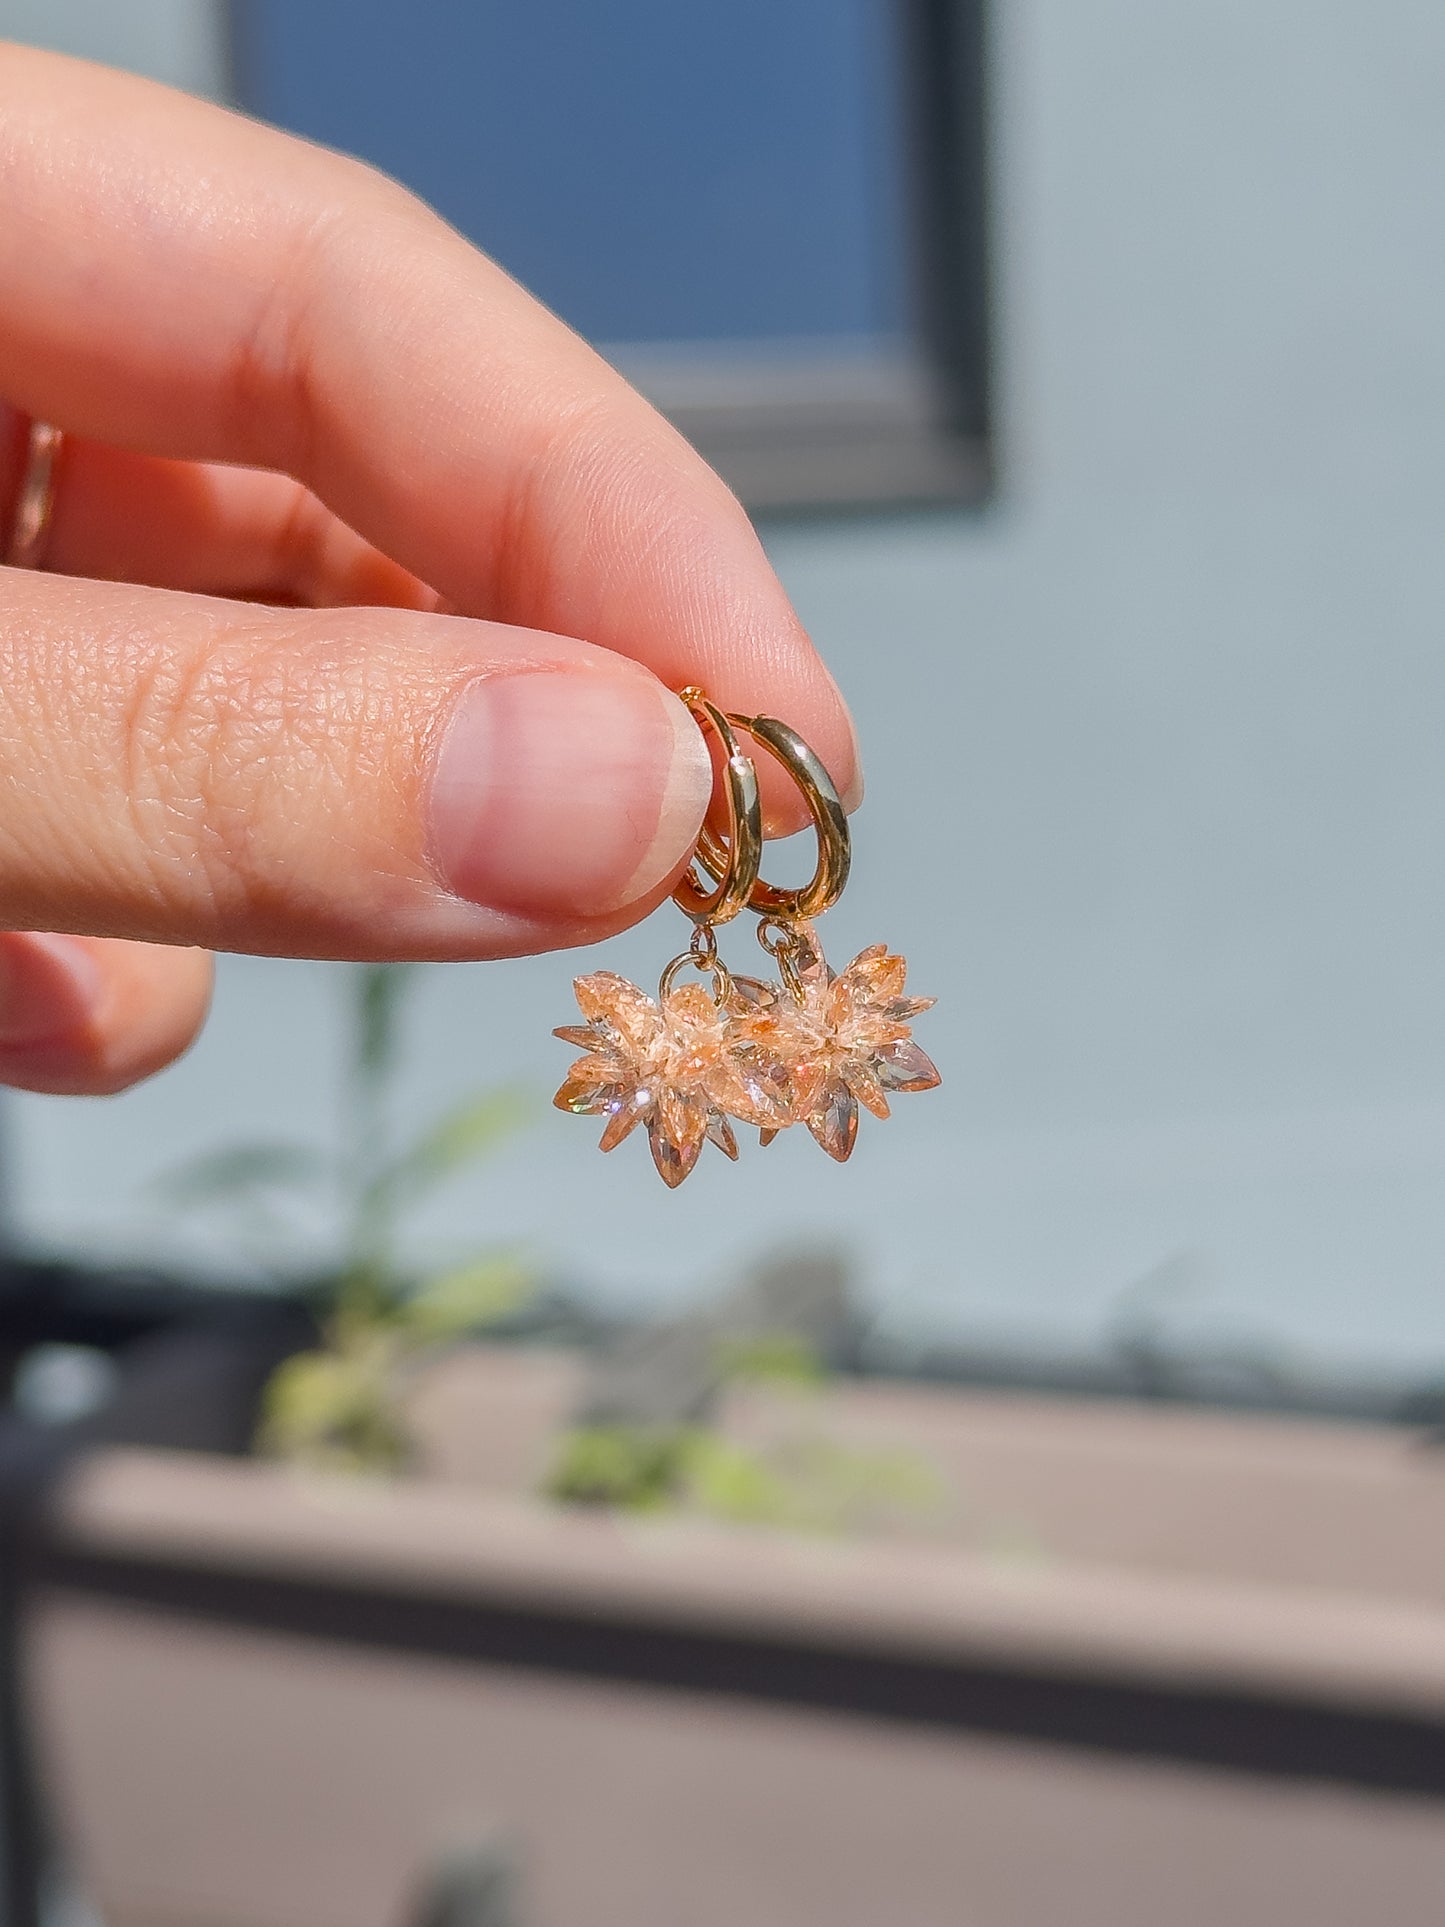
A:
<point x="361" y="783"/>
<point x="184" y="282"/>
<point x="123" y="517"/>
<point x="82" y="1016"/>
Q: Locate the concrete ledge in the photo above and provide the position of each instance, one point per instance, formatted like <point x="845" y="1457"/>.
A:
<point x="914" y="1601"/>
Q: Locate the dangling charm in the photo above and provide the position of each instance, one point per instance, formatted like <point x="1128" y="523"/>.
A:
<point x="664" y="1061"/>
<point x="806" y="1051"/>
<point x="844" y="1039"/>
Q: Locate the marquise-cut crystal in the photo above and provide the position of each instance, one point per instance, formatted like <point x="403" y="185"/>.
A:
<point x="905" y="1067"/>
<point x="834" y="1123"/>
<point x="674" y="1161"/>
<point x="862" y="1080"/>
<point x="628" y="1110"/>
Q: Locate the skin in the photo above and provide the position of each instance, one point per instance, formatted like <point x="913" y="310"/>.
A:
<point x="327" y="470"/>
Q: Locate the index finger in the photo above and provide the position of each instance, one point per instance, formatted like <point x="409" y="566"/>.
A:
<point x="184" y="281"/>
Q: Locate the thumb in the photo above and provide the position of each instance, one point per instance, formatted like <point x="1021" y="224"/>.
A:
<point x="341" y="783"/>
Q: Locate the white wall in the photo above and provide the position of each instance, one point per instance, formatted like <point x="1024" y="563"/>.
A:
<point x="1157" y="792"/>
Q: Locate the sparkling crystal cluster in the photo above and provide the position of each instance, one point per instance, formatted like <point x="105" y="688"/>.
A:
<point x="808" y="1051"/>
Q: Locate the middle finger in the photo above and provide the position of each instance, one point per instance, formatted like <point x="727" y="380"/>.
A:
<point x="207" y="527"/>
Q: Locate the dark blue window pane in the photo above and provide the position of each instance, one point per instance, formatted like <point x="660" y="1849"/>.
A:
<point x="656" y="170"/>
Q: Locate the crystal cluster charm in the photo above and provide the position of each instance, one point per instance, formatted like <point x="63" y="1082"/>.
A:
<point x="807" y="1051"/>
<point x="844" y="1039"/>
<point x="661" y="1061"/>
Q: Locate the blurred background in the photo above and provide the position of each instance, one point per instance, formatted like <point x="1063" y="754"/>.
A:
<point x="1154" y="791"/>
<point x="1081" y="362"/>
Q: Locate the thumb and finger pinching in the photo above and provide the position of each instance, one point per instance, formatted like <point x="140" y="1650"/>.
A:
<point x="377" y="782"/>
<point x="358" y="783"/>
<point x="355" y="783"/>
<point x="367" y="783"/>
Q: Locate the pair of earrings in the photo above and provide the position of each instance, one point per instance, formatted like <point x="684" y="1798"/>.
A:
<point x="806" y="1048"/>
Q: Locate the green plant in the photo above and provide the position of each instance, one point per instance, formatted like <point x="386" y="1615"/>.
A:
<point x="637" y="1468"/>
<point x="802" y="1480"/>
<point x="342" y="1404"/>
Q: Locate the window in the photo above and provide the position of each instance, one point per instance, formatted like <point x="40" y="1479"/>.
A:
<point x="769" y="215"/>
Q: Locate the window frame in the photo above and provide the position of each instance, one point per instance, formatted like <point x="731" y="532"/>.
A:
<point x="796" y="433"/>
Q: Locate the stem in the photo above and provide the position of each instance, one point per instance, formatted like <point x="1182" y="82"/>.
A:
<point x="365" y="1288"/>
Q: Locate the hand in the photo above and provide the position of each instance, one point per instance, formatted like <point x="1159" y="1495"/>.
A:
<point x="285" y="381"/>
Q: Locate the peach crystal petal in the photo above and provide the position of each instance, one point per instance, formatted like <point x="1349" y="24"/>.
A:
<point x="587" y="1085"/>
<point x="905" y="1067"/>
<point x="627" y="1114"/>
<point x="861" y="1081"/>
<point x="620" y="1007"/>
<point x="677" y="1138"/>
<point x="834" y="1121"/>
<point x="583" y="1035"/>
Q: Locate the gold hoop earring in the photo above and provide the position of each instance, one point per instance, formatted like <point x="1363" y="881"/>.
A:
<point x="35" y="503"/>
<point x="830" y="822"/>
<point x="734" y="863"/>
<point x="698" y="1057"/>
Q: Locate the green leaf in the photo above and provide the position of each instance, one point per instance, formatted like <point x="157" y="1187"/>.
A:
<point x="637" y="1467"/>
<point x="456" y="1140"/>
<point x="776" y="1358"/>
<point x="335" y="1408"/>
<point x="226" y="1175"/>
<point x="728" y="1481"/>
<point x="465" y="1300"/>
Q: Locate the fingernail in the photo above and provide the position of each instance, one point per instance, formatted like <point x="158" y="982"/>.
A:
<point x="569" y="792"/>
<point x="50" y="988"/>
